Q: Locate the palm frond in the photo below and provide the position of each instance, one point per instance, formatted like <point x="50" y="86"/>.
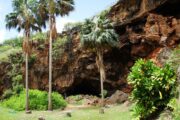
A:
<point x="98" y="33"/>
<point x="65" y="6"/>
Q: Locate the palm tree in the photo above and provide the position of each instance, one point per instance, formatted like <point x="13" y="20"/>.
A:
<point x="50" y="9"/>
<point x="98" y="34"/>
<point x="24" y="18"/>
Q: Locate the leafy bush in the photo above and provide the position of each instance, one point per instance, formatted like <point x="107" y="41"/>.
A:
<point x="14" y="42"/>
<point x="39" y="36"/>
<point x="59" y="47"/>
<point x="58" y="101"/>
<point x="32" y="59"/>
<point x="17" y="84"/>
<point x="174" y="58"/>
<point x="174" y="106"/>
<point x="6" y="51"/>
<point x="4" y="48"/>
<point x="38" y="100"/>
<point x="7" y="94"/>
<point x="70" y="26"/>
<point x="17" y="78"/>
<point x="153" y="87"/>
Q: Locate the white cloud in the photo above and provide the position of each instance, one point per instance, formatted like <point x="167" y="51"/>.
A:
<point x="60" y="22"/>
<point x="2" y="35"/>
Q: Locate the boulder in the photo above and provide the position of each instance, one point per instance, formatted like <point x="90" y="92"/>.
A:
<point x="117" y="97"/>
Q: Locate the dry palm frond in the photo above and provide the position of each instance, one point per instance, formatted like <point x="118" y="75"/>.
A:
<point x="27" y="47"/>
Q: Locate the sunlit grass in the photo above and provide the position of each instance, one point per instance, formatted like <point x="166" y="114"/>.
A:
<point x="120" y="112"/>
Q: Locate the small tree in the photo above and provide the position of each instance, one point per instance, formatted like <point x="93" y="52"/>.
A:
<point x="153" y="87"/>
<point x="24" y="18"/>
<point x="98" y="34"/>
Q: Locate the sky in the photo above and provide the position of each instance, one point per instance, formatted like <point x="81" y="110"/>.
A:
<point x="83" y="9"/>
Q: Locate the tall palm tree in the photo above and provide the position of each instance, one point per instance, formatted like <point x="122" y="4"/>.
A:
<point x="50" y="9"/>
<point x="98" y="34"/>
<point x="23" y="18"/>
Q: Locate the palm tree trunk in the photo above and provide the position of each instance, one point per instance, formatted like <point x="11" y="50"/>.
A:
<point x="102" y="73"/>
<point x="50" y="65"/>
<point x="27" y="67"/>
<point x="27" y="88"/>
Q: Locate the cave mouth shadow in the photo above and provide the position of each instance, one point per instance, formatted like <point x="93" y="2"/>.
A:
<point x="86" y="87"/>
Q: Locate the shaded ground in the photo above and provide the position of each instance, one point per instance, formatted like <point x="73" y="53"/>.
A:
<point x="119" y="112"/>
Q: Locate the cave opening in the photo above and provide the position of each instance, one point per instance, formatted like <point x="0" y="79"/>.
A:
<point x="170" y="8"/>
<point x="85" y="87"/>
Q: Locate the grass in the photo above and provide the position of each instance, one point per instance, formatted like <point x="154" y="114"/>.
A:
<point x="119" y="112"/>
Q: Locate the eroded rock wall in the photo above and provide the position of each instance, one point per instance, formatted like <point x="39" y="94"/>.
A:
<point x="146" y="30"/>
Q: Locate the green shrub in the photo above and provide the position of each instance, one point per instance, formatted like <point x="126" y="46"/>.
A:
<point x="17" y="89"/>
<point x="6" y="51"/>
<point x="174" y="58"/>
<point x="59" y="47"/>
<point x="153" y="87"/>
<point x="58" y="101"/>
<point x="17" y="84"/>
<point x="17" y="78"/>
<point x="70" y="26"/>
<point x="39" y="36"/>
<point x="175" y="106"/>
<point x="5" y="48"/>
<point x="7" y="94"/>
<point x="14" y="42"/>
<point x="38" y="100"/>
<point x="32" y="59"/>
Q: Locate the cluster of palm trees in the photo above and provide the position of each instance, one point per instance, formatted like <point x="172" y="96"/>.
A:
<point x="31" y="15"/>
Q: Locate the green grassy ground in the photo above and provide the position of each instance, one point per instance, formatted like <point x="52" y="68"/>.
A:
<point x="120" y="112"/>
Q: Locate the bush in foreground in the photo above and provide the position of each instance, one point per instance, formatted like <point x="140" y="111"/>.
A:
<point x="153" y="87"/>
<point x="38" y="101"/>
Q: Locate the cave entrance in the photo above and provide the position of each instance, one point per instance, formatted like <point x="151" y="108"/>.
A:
<point x="86" y="87"/>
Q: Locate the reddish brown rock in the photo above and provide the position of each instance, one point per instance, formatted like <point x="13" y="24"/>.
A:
<point x="145" y="28"/>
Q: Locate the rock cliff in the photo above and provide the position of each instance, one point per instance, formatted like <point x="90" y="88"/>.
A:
<point x="147" y="28"/>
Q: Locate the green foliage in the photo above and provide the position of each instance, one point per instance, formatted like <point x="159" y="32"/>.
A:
<point x="7" y="94"/>
<point x="24" y="16"/>
<point x="70" y="26"/>
<point x="97" y="33"/>
<point x="174" y="58"/>
<point x="153" y="87"/>
<point x="104" y="13"/>
<point x="5" y="48"/>
<point x="15" y="73"/>
<point x="105" y="92"/>
<point x="17" y="89"/>
<point x="58" y="101"/>
<point x="175" y="106"/>
<point x="39" y="37"/>
<point x="32" y="59"/>
<point x="59" y="47"/>
<point x="17" y="78"/>
<point x="17" y="84"/>
<point x="14" y="42"/>
<point x="38" y="101"/>
<point x="6" y="51"/>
